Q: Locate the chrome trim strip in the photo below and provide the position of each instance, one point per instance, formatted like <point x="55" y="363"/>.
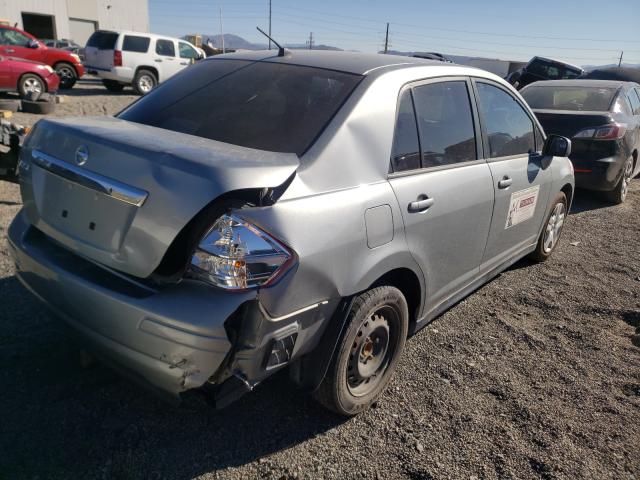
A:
<point x="94" y="181"/>
<point x="292" y="314"/>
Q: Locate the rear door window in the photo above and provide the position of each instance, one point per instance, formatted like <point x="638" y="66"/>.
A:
<point x="166" y="48"/>
<point x="506" y="124"/>
<point x="445" y="123"/>
<point x="262" y="105"/>
<point x="103" y="40"/>
<point x="133" y="43"/>
<point x="634" y="100"/>
<point x="405" y="154"/>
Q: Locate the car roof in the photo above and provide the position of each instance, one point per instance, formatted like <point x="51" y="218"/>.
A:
<point x="143" y="34"/>
<point x="585" y="83"/>
<point x="349" y="62"/>
<point x="537" y="57"/>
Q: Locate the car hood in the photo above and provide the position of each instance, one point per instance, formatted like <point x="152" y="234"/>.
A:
<point x="119" y="193"/>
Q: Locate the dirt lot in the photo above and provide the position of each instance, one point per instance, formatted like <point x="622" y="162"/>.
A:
<point x="536" y="375"/>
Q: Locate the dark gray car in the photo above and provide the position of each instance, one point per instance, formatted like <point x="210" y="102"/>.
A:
<point x="308" y="210"/>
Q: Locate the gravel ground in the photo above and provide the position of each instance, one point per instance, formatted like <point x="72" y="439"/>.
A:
<point x="536" y="375"/>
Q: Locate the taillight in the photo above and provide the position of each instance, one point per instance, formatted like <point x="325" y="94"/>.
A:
<point x="606" y="132"/>
<point x="117" y="58"/>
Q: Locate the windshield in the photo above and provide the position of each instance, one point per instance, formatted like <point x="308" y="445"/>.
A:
<point x="262" y="105"/>
<point x="545" y="97"/>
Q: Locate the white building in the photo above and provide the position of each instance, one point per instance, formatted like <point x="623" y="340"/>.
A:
<point x="75" y="19"/>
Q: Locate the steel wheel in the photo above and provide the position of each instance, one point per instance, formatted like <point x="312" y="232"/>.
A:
<point x="626" y="179"/>
<point x="146" y="83"/>
<point x="370" y="352"/>
<point x="554" y="227"/>
<point x="32" y="84"/>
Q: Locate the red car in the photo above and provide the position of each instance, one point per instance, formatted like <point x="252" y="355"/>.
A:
<point x="24" y="76"/>
<point x="18" y="43"/>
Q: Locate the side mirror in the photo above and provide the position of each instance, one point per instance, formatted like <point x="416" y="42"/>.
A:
<point x="557" y="146"/>
<point x="33" y="44"/>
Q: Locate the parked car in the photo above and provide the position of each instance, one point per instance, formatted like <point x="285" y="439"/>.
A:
<point x="18" y="43"/>
<point x="308" y="210"/>
<point x="24" y="76"/>
<point x="432" y="56"/>
<point x="142" y="60"/>
<point x="541" y="68"/>
<point x="625" y="74"/>
<point x="602" y="118"/>
<point x="65" y="44"/>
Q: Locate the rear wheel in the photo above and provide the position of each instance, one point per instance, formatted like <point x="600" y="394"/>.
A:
<point x="67" y="74"/>
<point x="619" y="194"/>
<point x="112" y="85"/>
<point x="31" y="83"/>
<point x="367" y="353"/>
<point x="144" y="81"/>
<point x="552" y="229"/>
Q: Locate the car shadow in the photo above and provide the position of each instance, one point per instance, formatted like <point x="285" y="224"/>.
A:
<point x="585" y="200"/>
<point x="63" y="420"/>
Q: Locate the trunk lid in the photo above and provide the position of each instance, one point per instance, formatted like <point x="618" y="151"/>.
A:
<point x="119" y="192"/>
<point x="568" y="122"/>
<point x="98" y="53"/>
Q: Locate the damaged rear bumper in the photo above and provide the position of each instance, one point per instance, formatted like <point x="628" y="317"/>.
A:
<point x="173" y="340"/>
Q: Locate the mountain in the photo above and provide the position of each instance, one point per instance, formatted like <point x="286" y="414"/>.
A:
<point x="627" y="65"/>
<point x="236" y="42"/>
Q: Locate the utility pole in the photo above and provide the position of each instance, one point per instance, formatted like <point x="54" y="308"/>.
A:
<point x="269" y="24"/>
<point x="386" y="40"/>
<point x="310" y="41"/>
<point x="620" y="61"/>
<point x="222" y="31"/>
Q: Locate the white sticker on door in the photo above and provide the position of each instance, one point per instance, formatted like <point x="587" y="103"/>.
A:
<point x="522" y="206"/>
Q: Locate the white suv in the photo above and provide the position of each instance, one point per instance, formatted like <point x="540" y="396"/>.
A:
<point x="141" y="60"/>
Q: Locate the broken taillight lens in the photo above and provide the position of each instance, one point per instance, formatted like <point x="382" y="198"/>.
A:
<point x="236" y="255"/>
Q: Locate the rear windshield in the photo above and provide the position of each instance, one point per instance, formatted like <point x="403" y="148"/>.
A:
<point x="569" y="98"/>
<point x="103" y="40"/>
<point x="262" y="105"/>
<point x="132" y="43"/>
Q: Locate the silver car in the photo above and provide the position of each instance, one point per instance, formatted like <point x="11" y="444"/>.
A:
<point x="307" y="210"/>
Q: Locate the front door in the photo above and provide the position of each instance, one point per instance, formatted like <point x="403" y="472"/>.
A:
<point x="521" y="177"/>
<point x="443" y="186"/>
<point x="16" y="44"/>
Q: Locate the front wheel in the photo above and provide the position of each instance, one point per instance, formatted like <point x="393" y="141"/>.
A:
<point x="619" y="194"/>
<point x="550" y="235"/>
<point x="367" y="352"/>
<point x="67" y="74"/>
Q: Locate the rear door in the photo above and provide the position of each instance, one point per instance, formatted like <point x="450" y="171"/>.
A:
<point x="443" y="185"/>
<point x="166" y="59"/>
<point x="99" y="50"/>
<point x="521" y="177"/>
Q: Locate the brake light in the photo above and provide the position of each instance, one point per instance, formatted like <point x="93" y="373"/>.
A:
<point x="614" y="131"/>
<point x="117" y="58"/>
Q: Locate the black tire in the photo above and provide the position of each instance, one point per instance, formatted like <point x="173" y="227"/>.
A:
<point x="30" y="81"/>
<point x="67" y="73"/>
<point x="619" y="194"/>
<point x="144" y="81"/>
<point x="542" y="251"/>
<point x="345" y="390"/>
<point x="10" y="105"/>
<point x="112" y="85"/>
<point x="40" y="108"/>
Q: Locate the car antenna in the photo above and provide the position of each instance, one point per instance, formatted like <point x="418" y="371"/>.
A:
<point x="280" y="48"/>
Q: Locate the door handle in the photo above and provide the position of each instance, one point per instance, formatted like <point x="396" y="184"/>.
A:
<point x="505" y="182"/>
<point x="421" y="205"/>
<point x="158" y="60"/>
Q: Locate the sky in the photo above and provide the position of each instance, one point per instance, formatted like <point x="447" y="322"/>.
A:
<point x="583" y="32"/>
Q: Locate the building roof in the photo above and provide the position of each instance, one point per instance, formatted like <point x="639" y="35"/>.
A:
<point x="350" y="62"/>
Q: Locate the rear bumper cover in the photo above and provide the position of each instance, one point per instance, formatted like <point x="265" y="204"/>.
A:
<point x="172" y="340"/>
<point x="602" y="174"/>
